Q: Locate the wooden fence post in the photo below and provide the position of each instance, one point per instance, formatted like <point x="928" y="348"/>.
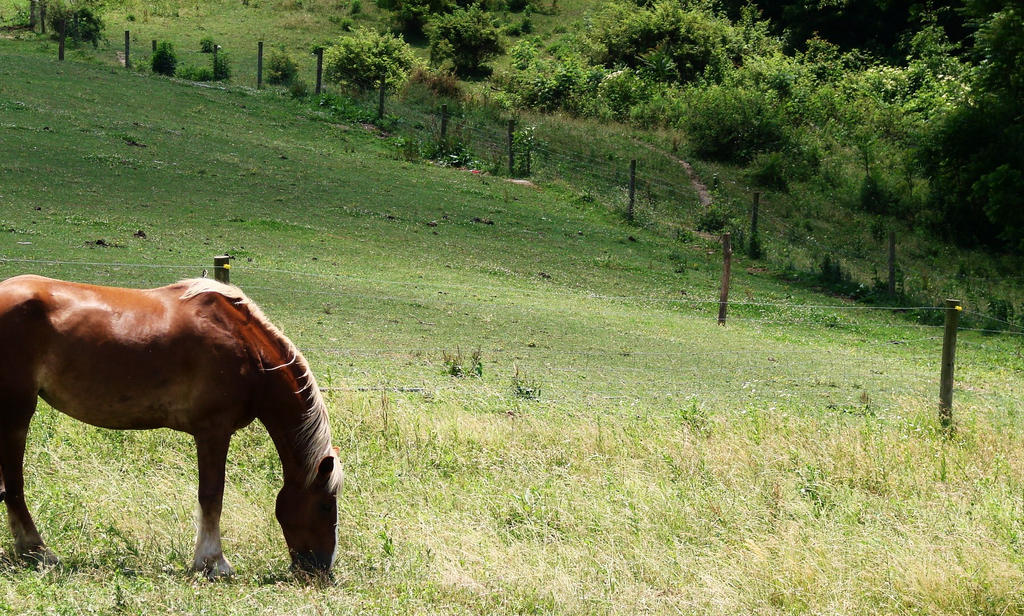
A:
<point x="511" y="155"/>
<point x="127" y="49"/>
<point x="154" y="45"/>
<point x="632" y="188"/>
<point x="380" y="97"/>
<point x="444" y="122"/>
<point x="754" y="245"/>
<point x="259" y="65"/>
<point x="63" y="38"/>
<point x="892" y="263"/>
<point x="222" y="268"/>
<point x="42" y="16"/>
<point x="723" y="301"/>
<point x="319" y="70"/>
<point x="953" y="309"/>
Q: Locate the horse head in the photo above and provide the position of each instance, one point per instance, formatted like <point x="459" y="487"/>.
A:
<point x="308" y="514"/>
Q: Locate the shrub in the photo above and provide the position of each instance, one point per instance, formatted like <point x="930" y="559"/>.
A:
<point x="440" y="82"/>
<point x="622" y="90"/>
<point x="412" y="15"/>
<point x="80" y="25"/>
<point x="207" y="44"/>
<point x="355" y="7"/>
<point x="195" y="73"/>
<point x="733" y="124"/>
<point x="466" y="38"/>
<point x="713" y="219"/>
<point x="221" y="67"/>
<point x="769" y="171"/>
<point x="164" y="59"/>
<point x="366" y="57"/>
<point x="298" y="89"/>
<point x="281" y="69"/>
<point x="671" y="42"/>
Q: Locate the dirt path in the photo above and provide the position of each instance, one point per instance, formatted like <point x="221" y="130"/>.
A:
<point x="702" y="190"/>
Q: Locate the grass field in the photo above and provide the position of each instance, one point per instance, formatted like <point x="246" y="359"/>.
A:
<point x="788" y="463"/>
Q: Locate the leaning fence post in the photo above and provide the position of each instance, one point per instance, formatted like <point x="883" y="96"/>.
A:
<point x="319" y="69"/>
<point x="259" y="65"/>
<point x="632" y="187"/>
<point x="444" y="122"/>
<point x="723" y="301"/>
<point x="892" y="263"/>
<point x="511" y="155"/>
<point x="953" y="309"/>
<point x="222" y="268"/>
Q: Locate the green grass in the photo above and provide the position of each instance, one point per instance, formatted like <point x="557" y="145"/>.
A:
<point x="790" y="462"/>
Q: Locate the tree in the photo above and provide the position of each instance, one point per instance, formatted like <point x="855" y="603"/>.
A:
<point x="366" y="57"/>
<point x="975" y="155"/>
<point x="466" y="38"/>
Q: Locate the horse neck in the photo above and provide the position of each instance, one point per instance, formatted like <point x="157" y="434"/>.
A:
<point x="282" y="412"/>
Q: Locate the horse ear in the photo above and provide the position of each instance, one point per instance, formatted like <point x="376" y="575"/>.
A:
<point x="326" y="467"/>
<point x="337" y="451"/>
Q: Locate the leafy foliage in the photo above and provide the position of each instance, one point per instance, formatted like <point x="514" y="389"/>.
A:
<point x="466" y="38"/>
<point x="281" y="69"/>
<point x="366" y="57"/>
<point x="80" y="23"/>
<point x="164" y="59"/>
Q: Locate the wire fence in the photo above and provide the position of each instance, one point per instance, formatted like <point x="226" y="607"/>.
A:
<point x="866" y="361"/>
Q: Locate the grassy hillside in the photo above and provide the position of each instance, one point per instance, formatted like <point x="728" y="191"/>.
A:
<point x="643" y="460"/>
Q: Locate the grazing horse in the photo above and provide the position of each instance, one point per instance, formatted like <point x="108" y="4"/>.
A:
<point x="196" y="356"/>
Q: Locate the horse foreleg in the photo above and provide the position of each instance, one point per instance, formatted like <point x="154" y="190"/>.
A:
<point x="209" y="558"/>
<point x="13" y="432"/>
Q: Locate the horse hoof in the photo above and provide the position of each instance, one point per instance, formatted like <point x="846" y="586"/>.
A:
<point x="214" y="569"/>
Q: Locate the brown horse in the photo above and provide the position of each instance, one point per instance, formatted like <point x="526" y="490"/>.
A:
<point x="196" y="356"/>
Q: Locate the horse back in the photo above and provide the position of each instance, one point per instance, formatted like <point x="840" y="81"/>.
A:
<point x="126" y="358"/>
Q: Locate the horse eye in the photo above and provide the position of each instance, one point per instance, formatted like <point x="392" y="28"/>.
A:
<point x="326" y="507"/>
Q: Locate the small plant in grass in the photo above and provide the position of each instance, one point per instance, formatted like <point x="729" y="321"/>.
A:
<point x="695" y="417"/>
<point x="195" y="73"/>
<point x="458" y="366"/>
<point x="298" y="89"/>
<point x="207" y="44"/>
<point x="164" y="60"/>
<point x="713" y="219"/>
<point x="524" y="387"/>
<point x="221" y="67"/>
<point x="281" y="69"/>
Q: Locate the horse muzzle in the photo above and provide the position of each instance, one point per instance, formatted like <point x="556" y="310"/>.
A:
<point x="312" y="563"/>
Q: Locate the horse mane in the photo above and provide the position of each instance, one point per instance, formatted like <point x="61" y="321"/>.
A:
<point x="313" y="435"/>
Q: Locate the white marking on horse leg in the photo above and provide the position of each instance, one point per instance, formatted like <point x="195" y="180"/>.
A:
<point x="209" y="557"/>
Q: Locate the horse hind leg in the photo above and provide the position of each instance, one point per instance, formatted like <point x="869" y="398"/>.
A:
<point x="15" y="416"/>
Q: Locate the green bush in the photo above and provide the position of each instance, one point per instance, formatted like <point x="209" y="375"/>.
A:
<point x="221" y="66"/>
<point x="671" y="43"/>
<point x="366" y="57"/>
<point x="298" y="89"/>
<point x="551" y="85"/>
<point x="733" y="124"/>
<point x="164" y="59"/>
<point x="281" y="69"/>
<point x="207" y="44"/>
<point x="769" y="170"/>
<point x="80" y="25"/>
<point x="412" y="15"/>
<point x="195" y="73"/>
<point x="466" y="38"/>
